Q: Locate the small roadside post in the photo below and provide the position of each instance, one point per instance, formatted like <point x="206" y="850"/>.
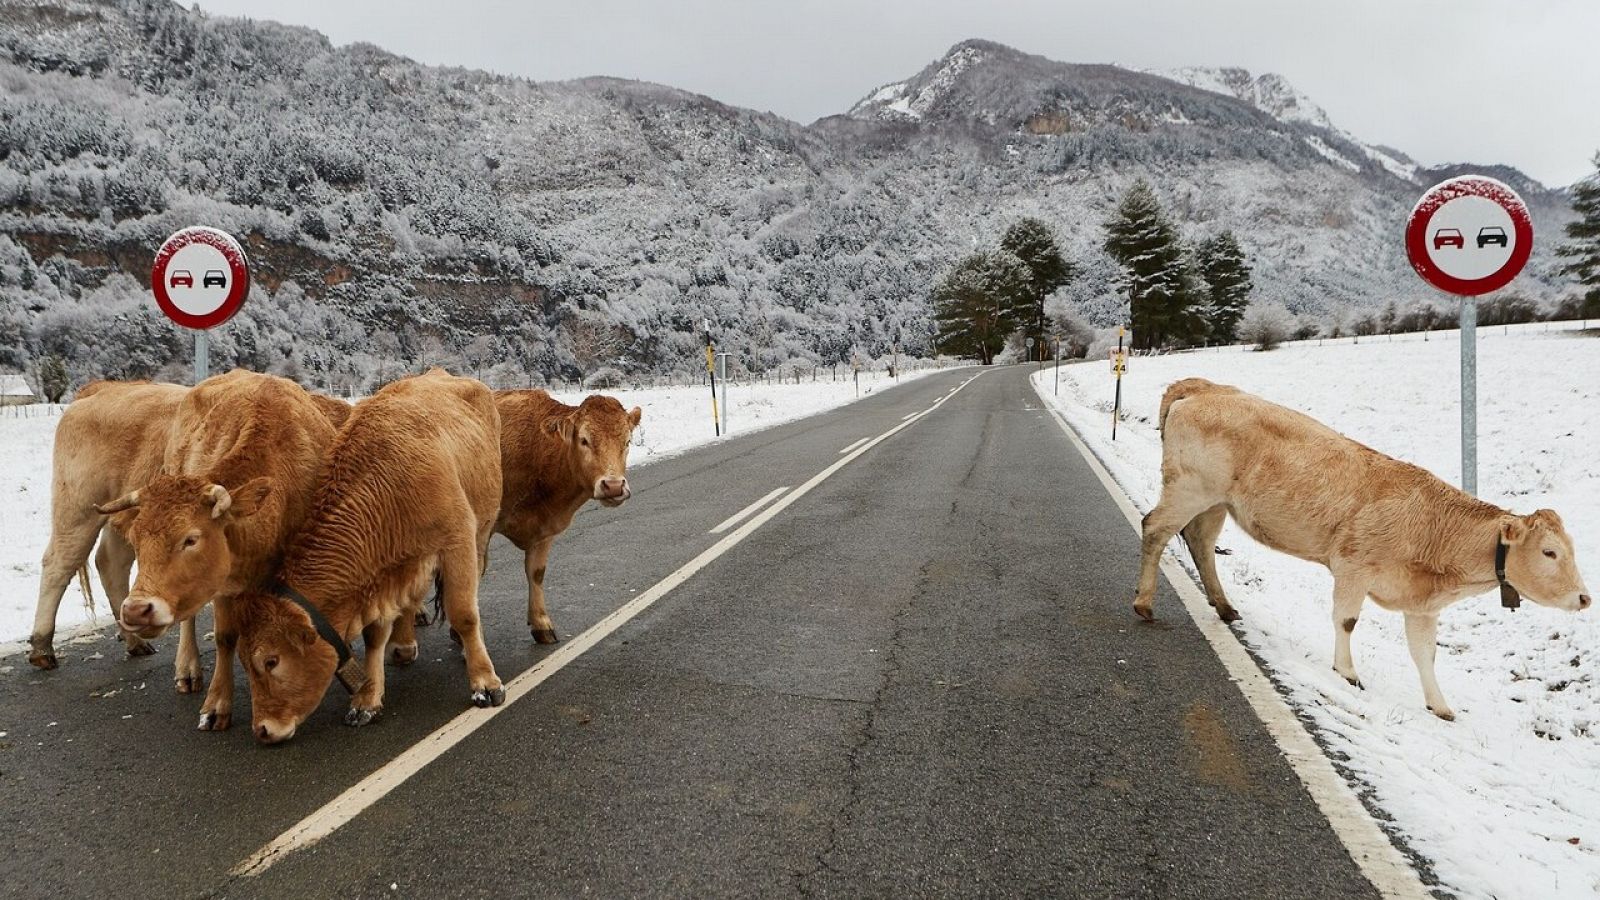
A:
<point x="896" y="349"/>
<point x="200" y="279"/>
<point x="1119" y="366"/>
<point x="1468" y="236"/>
<point x="711" y="370"/>
<point x="855" y="366"/>
<point x="722" y="372"/>
<point x="1058" y="365"/>
<point x="1030" y="349"/>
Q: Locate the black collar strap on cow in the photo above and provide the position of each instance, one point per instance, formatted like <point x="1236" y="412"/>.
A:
<point x="350" y="672"/>
<point x="1509" y="598"/>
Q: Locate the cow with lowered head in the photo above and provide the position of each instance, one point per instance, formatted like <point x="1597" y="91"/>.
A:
<point x="411" y="489"/>
<point x="244" y="458"/>
<point x="554" y="458"/>
<point x="1386" y="529"/>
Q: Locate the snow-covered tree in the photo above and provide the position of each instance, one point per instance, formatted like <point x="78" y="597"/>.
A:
<point x="974" y="304"/>
<point x="1583" y="246"/>
<point x="1226" y="274"/>
<point x="1142" y="238"/>
<point x="1034" y="243"/>
<point x="1266" y="325"/>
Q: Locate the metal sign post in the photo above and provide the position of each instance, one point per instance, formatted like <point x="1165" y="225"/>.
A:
<point x="1058" y="365"/>
<point x="722" y="364"/>
<point x="1468" y="236"/>
<point x="1119" y="365"/>
<point x="711" y="370"/>
<point x="200" y="279"/>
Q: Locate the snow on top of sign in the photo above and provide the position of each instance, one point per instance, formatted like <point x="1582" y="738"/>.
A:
<point x="200" y="234"/>
<point x="1462" y="185"/>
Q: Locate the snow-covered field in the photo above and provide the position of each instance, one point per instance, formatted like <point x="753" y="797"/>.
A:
<point x="1505" y="801"/>
<point x="675" y="420"/>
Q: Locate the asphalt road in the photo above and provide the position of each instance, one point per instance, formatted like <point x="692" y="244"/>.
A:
<point x="922" y="678"/>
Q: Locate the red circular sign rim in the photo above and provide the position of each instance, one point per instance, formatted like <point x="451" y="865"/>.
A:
<point x="1468" y="186"/>
<point x="238" y="267"/>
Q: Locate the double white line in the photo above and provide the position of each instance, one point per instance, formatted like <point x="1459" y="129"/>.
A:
<point x="369" y="790"/>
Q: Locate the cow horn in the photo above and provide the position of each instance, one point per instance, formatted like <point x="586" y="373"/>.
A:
<point x="127" y="501"/>
<point x="220" y="500"/>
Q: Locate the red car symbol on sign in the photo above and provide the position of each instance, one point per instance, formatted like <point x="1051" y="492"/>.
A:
<point x="214" y="278"/>
<point x="182" y="278"/>
<point x="1448" y="237"/>
<point x="1491" y="234"/>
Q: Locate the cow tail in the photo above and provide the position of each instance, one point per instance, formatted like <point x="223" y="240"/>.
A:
<point x="83" y="583"/>
<point x="438" y="597"/>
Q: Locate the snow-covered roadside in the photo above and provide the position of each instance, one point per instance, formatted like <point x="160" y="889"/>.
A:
<point x="1505" y="801"/>
<point x="675" y="420"/>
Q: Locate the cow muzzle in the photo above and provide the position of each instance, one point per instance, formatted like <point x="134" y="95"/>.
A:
<point x="148" y="617"/>
<point x="612" y="491"/>
<point x="271" y="731"/>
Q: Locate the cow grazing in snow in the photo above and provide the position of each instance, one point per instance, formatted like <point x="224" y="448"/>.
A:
<point x="411" y="488"/>
<point x="109" y="441"/>
<point x="244" y="458"/>
<point x="554" y="458"/>
<point x="1386" y="529"/>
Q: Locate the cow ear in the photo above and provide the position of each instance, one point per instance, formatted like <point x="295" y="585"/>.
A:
<point x="1513" y="530"/>
<point x="561" y="426"/>
<point x="247" y="498"/>
<point x="635" y="415"/>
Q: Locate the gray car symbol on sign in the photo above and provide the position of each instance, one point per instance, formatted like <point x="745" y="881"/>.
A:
<point x="1492" y="234"/>
<point x="214" y="278"/>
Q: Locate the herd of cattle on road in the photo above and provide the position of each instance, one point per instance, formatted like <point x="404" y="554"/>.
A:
<point x="303" y="520"/>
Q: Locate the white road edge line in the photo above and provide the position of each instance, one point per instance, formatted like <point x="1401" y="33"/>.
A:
<point x="855" y="445"/>
<point x="376" y="785"/>
<point x="745" y="513"/>
<point x="1382" y="864"/>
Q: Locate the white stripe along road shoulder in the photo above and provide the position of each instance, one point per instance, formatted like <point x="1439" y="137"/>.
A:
<point x="745" y="513"/>
<point x="342" y="809"/>
<point x="1368" y="846"/>
<point x="855" y="444"/>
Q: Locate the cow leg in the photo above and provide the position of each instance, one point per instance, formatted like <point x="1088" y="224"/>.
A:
<point x="114" y="561"/>
<point x="1170" y="515"/>
<point x="459" y="566"/>
<point x="216" y="714"/>
<point x="1201" y="536"/>
<point x="1421" y="630"/>
<point x="1348" y="596"/>
<point x="538" y="555"/>
<point x="367" y="702"/>
<point x="403" y="638"/>
<point x="188" y="676"/>
<point x="71" y="539"/>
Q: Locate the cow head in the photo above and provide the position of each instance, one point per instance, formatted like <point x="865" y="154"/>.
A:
<point x="597" y="434"/>
<point x="1540" y="563"/>
<point x="178" y="526"/>
<point x="288" y="665"/>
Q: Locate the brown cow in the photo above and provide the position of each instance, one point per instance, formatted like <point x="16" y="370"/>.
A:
<point x="412" y="487"/>
<point x="335" y="409"/>
<point x="109" y="441"/>
<point x="245" y="456"/>
<point x="1386" y="529"/>
<point x="554" y="458"/>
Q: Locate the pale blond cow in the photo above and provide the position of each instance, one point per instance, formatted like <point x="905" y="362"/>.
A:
<point x="1386" y="529"/>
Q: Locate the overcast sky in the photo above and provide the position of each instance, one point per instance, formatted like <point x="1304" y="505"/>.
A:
<point x="1514" y="81"/>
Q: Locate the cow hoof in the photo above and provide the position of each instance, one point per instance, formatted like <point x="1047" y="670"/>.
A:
<point x="1227" y="614"/>
<point x="545" y="636"/>
<point x="45" y="660"/>
<point x="138" y="647"/>
<point x="485" y="697"/>
<point x="189" y="684"/>
<point x="356" y="718"/>
<point x="1445" y="714"/>
<point x="403" y="654"/>
<point x="214" y="721"/>
<point x="1145" y="612"/>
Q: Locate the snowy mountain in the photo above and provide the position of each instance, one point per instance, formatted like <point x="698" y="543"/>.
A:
<point x="398" y="214"/>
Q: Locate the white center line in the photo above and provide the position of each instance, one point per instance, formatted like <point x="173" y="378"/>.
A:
<point x="745" y="513"/>
<point x="369" y="790"/>
<point x="856" y="444"/>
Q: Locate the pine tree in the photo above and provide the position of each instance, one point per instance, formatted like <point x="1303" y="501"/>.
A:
<point x="1032" y="242"/>
<point x="53" y="380"/>
<point x="1227" y="285"/>
<point x="1584" y="248"/>
<point x="1143" y="240"/>
<point x="975" y="303"/>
